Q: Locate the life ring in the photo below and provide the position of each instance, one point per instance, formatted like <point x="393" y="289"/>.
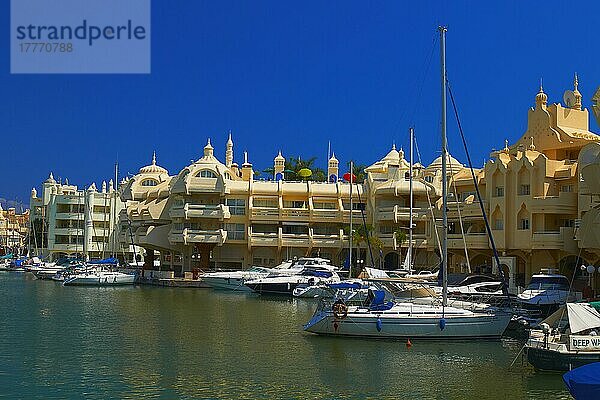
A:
<point x="340" y="310"/>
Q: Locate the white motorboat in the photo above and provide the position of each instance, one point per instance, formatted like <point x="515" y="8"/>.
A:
<point x="546" y="292"/>
<point x="234" y="280"/>
<point x="99" y="276"/>
<point x="407" y="319"/>
<point x="285" y="284"/>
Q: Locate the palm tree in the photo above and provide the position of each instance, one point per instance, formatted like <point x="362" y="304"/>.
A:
<point x="362" y="234"/>
<point x="359" y="171"/>
<point x="401" y="237"/>
<point x="295" y="164"/>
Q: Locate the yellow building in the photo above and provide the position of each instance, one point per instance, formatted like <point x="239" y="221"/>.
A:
<point x="14" y="228"/>
<point x="215" y="214"/>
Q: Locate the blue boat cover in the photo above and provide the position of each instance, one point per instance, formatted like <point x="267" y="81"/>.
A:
<point x="378" y="301"/>
<point x="584" y="382"/>
<point x="318" y="274"/>
<point x="106" y="261"/>
<point x="345" y="285"/>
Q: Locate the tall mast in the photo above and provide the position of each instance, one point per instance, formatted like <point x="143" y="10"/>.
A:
<point x="114" y="212"/>
<point x="410" y="223"/>
<point x="351" y="212"/>
<point x="443" y="30"/>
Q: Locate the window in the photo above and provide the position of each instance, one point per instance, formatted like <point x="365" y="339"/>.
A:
<point x="524" y="190"/>
<point x="524" y="224"/>
<point x="295" y="229"/>
<point x="326" y="229"/>
<point x="149" y="182"/>
<point x="566" y="188"/>
<point x="429" y="179"/>
<point x="498" y="224"/>
<point x="463" y="196"/>
<point x="236" y="206"/>
<point x="266" y="203"/>
<point x="227" y="175"/>
<point x="265" y="229"/>
<point x="355" y="205"/>
<point x="206" y="173"/>
<point x="294" y="204"/>
<point x="324" y="205"/>
<point x="235" y="231"/>
<point x="499" y="191"/>
<point x="569" y="223"/>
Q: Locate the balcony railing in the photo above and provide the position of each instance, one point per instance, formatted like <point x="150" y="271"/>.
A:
<point x="564" y="203"/>
<point x="187" y="211"/>
<point x="188" y="235"/>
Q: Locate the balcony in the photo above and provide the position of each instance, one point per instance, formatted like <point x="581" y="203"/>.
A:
<point x="473" y="240"/>
<point x="356" y="215"/>
<point x="202" y="185"/>
<point x="325" y="215"/>
<point x="547" y="240"/>
<point x="187" y="236"/>
<point x="187" y="211"/>
<point x="68" y="215"/>
<point x="68" y="231"/>
<point x="66" y="247"/>
<point x="295" y="240"/>
<point x="467" y="210"/>
<point x="264" y="239"/>
<point x="265" y="214"/>
<point x="564" y="203"/>
<point x="293" y="214"/>
<point x="327" y="241"/>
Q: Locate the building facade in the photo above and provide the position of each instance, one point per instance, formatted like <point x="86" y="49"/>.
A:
<point x="67" y="221"/>
<point x="214" y="214"/>
<point x="14" y="228"/>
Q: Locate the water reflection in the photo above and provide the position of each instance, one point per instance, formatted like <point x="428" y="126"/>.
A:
<point x="145" y="342"/>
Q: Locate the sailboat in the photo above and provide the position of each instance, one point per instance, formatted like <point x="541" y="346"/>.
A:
<point x="381" y="318"/>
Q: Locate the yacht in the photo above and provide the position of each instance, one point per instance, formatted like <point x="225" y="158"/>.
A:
<point x="393" y="319"/>
<point x="567" y="339"/>
<point x="547" y="291"/>
<point x="234" y="280"/>
<point x="99" y="276"/>
<point x="285" y="284"/>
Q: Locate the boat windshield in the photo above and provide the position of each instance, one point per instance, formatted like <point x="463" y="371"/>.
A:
<point x="548" y="283"/>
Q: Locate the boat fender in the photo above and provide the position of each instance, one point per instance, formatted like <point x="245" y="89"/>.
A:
<point x="408" y="343"/>
<point x="335" y="326"/>
<point x="442" y="323"/>
<point x="379" y="324"/>
<point x="340" y="309"/>
<point x="115" y="279"/>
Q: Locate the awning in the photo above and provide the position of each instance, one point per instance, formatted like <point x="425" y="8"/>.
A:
<point x="581" y="316"/>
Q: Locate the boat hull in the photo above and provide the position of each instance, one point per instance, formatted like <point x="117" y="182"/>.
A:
<point x="369" y="324"/>
<point x="94" y="280"/>
<point x="234" y="284"/>
<point x="280" y="288"/>
<point x="551" y="360"/>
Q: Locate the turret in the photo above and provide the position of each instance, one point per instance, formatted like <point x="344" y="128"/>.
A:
<point x="247" y="168"/>
<point x="333" y="168"/>
<point x="279" y="166"/>
<point x="229" y="152"/>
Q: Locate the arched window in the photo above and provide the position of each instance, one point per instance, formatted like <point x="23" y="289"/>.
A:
<point x="206" y="173"/>
<point x="227" y="176"/>
<point x="429" y="179"/>
<point x="149" y="182"/>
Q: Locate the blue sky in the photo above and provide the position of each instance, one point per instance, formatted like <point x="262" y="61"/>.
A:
<point x="293" y="76"/>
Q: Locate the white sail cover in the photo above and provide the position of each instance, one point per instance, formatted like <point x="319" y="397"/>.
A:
<point x="407" y="260"/>
<point x="582" y="316"/>
<point x="376" y="273"/>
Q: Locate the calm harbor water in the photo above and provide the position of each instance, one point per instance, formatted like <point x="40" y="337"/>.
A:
<point x="155" y="343"/>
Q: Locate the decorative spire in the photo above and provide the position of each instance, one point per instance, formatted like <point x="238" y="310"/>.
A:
<point x="401" y="154"/>
<point x="577" y="104"/>
<point x="393" y="145"/>
<point x="208" y="149"/>
<point x="229" y="152"/>
<point x="541" y="99"/>
<point x="154" y="157"/>
<point x="532" y="146"/>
